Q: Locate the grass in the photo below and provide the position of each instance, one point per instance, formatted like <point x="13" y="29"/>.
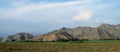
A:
<point x="85" y="46"/>
<point x="102" y="41"/>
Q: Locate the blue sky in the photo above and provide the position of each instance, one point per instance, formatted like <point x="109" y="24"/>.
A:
<point x="42" y="16"/>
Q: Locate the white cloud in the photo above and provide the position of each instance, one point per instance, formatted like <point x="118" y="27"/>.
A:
<point x="83" y="16"/>
<point x="20" y="9"/>
<point x="86" y="12"/>
<point x="33" y="7"/>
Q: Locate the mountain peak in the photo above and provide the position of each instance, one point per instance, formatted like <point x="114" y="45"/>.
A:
<point x="22" y="33"/>
<point x="105" y="25"/>
<point x="63" y="29"/>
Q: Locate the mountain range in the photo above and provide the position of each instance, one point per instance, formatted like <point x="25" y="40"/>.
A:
<point x="104" y="31"/>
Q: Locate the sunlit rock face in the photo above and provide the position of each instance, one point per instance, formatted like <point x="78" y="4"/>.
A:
<point x="53" y="36"/>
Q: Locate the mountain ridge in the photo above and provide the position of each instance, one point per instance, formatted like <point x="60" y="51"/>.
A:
<point x="103" y="31"/>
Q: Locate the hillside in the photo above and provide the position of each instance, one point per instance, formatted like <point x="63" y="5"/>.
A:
<point x="17" y="37"/>
<point x="104" y="31"/>
<point x="53" y="36"/>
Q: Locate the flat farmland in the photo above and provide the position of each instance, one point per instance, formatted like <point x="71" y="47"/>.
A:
<point x="60" y="47"/>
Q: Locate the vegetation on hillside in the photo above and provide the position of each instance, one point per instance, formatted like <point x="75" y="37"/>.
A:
<point x="60" y="47"/>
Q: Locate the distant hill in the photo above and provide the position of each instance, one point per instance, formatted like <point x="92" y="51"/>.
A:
<point x="17" y="37"/>
<point x="104" y="31"/>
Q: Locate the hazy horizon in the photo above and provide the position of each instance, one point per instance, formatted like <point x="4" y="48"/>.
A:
<point x="42" y="16"/>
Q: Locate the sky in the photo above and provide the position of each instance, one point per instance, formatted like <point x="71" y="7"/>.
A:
<point x="42" y="16"/>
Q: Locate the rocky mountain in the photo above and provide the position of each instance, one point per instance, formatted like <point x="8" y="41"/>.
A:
<point x="82" y="32"/>
<point x="53" y="36"/>
<point x="107" y="31"/>
<point x="17" y="37"/>
<point x="104" y="31"/>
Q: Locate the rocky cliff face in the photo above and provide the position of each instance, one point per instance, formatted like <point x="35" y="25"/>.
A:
<point x="104" y="31"/>
<point x="107" y="31"/>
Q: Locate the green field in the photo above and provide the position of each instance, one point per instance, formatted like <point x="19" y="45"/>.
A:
<point x="71" y="46"/>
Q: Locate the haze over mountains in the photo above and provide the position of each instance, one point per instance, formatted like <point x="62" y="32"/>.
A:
<point x="42" y="16"/>
<point x="104" y="31"/>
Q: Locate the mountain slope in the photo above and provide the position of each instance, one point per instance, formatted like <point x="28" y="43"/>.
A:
<point x="107" y="31"/>
<point x="53" y="36"/>
<point x="104" y="31"/>
<point x="17" y="37"/>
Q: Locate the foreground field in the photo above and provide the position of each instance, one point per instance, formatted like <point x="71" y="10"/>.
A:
<point x="60" y="47"/>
